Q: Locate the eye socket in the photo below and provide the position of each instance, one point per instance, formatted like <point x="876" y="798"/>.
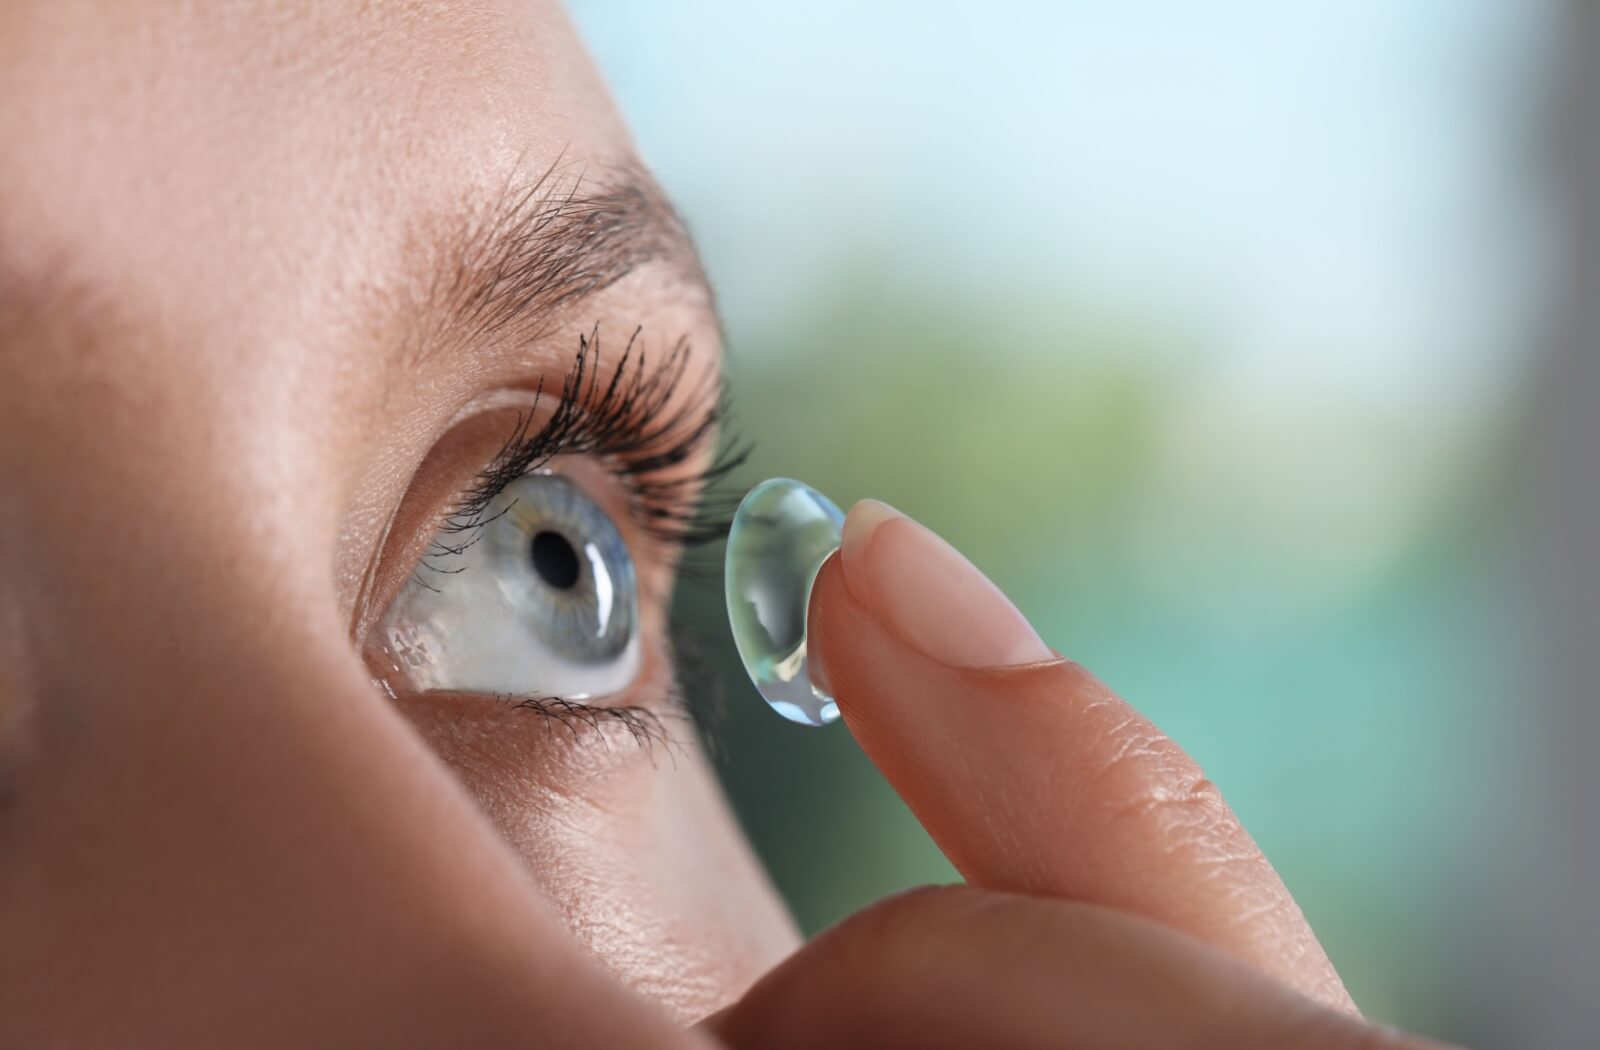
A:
<point x="540" y="597"/>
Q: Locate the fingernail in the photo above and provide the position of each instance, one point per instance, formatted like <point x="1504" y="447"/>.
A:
<point x="934" y="599"/>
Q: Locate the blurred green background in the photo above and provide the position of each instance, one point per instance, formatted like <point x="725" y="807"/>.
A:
<point x="1208" y="331"/>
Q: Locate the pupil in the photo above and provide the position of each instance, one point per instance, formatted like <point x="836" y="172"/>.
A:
<point x="555" y="560"/>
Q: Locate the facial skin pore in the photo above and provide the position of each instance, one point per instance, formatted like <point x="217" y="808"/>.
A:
<point x="233" y="249"/>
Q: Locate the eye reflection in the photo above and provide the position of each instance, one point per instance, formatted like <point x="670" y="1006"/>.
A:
<point x="540" y="598"/>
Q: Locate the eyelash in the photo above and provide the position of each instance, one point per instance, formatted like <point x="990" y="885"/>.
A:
<point x="626" y="423"/>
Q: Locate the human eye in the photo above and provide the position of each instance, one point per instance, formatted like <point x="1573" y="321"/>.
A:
<point x="542" y="592"/>
<point x="546" y="579"/>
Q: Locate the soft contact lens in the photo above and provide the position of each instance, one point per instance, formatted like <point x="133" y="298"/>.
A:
<point x="781" y="534"/>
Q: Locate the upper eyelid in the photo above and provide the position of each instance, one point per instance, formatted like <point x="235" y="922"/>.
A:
<point x="635" y="419"/>
<point x="642" y="416"/>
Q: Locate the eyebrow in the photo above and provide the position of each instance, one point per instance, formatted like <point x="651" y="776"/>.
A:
<point x="550" y="242"/>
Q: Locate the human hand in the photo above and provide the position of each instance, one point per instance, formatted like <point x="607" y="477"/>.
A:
<point x="1112" y="897"/>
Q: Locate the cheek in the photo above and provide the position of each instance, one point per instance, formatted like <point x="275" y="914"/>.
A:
<point x="657" y="881"/>
<point x="636" y="849"/>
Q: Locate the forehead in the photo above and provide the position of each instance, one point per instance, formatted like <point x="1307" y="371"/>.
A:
<point x="285" y="220"/>
<point x="228" y="167"/>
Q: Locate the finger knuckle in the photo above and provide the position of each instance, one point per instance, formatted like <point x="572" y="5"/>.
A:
<point x="1182" y="806"/>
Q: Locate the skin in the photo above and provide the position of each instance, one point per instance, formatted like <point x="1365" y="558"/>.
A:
<point x="233" y="413"/>
<point x="207" y="395"/>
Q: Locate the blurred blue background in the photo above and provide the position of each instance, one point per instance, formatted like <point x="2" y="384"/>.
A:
<point x="1212" y="333"/>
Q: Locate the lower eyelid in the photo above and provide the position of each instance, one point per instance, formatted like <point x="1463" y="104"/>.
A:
<point x="647" y="726"/>
<point x="547" y="742"/>
<point x="652" y="710"/>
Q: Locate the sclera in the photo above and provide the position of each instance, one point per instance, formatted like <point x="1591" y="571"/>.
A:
<point x="781" y="534"/>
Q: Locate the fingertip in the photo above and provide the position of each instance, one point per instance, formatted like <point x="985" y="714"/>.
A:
<point x="930" y="596"/>
<point x="860" y="525"/>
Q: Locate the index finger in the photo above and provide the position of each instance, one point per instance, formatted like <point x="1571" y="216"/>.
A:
<point x="1030" y="774"/>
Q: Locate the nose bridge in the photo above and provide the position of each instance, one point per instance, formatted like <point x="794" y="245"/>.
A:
<point x="210" y="787"/>
<point x="177" y="656"/>
<point x="154" y="528"/>
<point x="177" y="623"/>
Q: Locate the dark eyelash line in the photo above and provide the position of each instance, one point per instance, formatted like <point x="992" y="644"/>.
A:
<point x="628" y="423"/>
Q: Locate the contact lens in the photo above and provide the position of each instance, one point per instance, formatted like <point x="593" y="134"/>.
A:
<point x="781" y="534"/>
